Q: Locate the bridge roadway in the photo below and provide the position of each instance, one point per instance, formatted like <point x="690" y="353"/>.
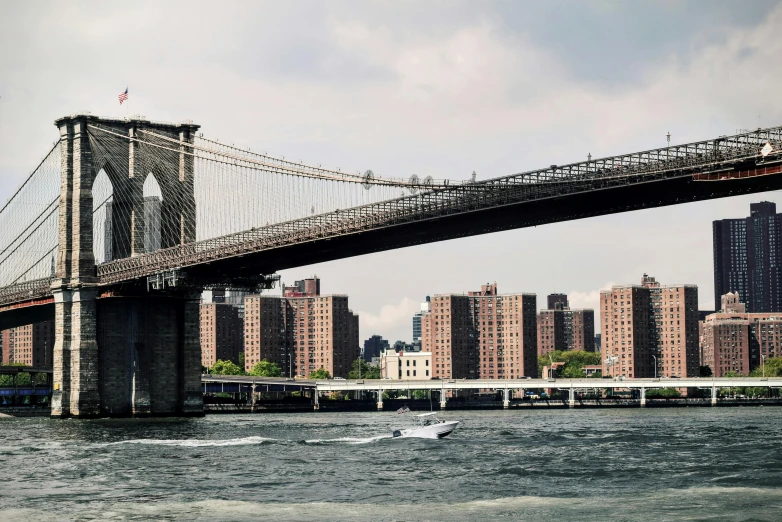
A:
<point x="243" y="383"/>
<point x="722" y="167"/>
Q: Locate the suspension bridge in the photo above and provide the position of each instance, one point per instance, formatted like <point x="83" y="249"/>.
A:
<point x="124" y="222"/>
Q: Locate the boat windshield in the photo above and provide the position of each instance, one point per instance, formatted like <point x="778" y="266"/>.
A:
<point x="425" y="419"/>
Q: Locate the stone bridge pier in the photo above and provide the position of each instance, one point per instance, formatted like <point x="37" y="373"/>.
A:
<point x="122" y="351"/>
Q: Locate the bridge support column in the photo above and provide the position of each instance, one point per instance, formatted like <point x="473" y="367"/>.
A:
<point x="571" y="397"/>
<point x="643" y="397"/>
<point x="713" y="395"/>
<point x="379" y="400"/>
<point x="315" y="397"/>
<point x="150" y="356"/>
<point x="443" y="400"/>
<point x="191" y="398"/>
<point x="506" y="398"/>
<point x="76" y="369"/>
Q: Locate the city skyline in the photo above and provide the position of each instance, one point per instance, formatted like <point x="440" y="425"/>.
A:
<point x="462" y="95"/>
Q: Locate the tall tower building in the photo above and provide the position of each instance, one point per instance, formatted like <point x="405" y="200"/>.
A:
<point x="561" y="328"/>
<point x="221" y="333"/>
<point x="747" y="257"/>
<point x="374" y="347"/>
<point x="650" y="324"/>
<point x="482" y="335"/>
<point x="302" y="331"/>
<point x="426" y="307"/>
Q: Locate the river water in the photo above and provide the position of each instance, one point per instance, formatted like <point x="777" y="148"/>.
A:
<point x="633" y="464"/>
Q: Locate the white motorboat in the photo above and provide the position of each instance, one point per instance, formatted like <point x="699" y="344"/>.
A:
<point x="429" y="427"/>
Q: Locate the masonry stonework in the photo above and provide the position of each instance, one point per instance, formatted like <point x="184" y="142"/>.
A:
<point x="122" y="355"/>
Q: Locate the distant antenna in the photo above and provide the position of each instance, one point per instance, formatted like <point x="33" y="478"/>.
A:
<point x="669" y="138"/>
<point x="472" y="179"/>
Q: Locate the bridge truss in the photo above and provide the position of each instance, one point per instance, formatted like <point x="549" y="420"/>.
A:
<point x="246" y="202"/>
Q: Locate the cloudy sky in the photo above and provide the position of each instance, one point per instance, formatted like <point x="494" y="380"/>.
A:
<point x="439" y="88"/>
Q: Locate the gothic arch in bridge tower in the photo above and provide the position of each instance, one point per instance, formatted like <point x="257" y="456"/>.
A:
<point x="153" y="208"/>
<point x="102" y="211"/>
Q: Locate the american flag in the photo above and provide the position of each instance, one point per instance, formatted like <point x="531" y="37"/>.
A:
<point x="402" y="410"/>
<point x="123" y="96"/>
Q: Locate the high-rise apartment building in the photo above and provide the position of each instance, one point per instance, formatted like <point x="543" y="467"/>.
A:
<point x="374" y="347"/>
<point x="650" y="329"/>
<point x="268" y="332"/>
<point x="747" y="258"/>
<point x="426" y="307"/>
<point x="560" y="328"/>
<point x="302" y="331"/>
<point x="221" y="333"/>
<point x="733" y="340"/>
<point x="305" y="287"/>
<point x="556" y="301"/>
<point x="482" y="335"/>
<point x="31" y="345"/>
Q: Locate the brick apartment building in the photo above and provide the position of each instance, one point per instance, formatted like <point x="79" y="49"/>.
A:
<point x="221" y="333"/>
<point x="733" y="340"/>
<point x="481" y="335"/>
<point x="563" y="328"/>
<point x="31" y="345"/>
<point x="301" y="331"/>
<point x="650" y="324"/>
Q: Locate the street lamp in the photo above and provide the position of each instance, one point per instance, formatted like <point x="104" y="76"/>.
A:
<point x="655" y="365"/>
<point x="290" y="366"/>
<point x="763" y="363"/>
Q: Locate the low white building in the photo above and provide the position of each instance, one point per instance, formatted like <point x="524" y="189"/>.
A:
<point x="406" y="366"/>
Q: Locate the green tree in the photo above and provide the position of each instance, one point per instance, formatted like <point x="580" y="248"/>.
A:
<point x="265" y="368"/>
<point x="574" y="360"/>
<point x="770" y="368"/>
<point x="664" y="393"/>
<point x="226" y="368"/>
<point x="320" y="373"/>
<point x="420" y="394"/>
<point x="572" y="372"/>
<point x="597" y="375"/>
<point x="705" y="371"/>
<point x="241" y="359"/>
<point x="367" y="371"/>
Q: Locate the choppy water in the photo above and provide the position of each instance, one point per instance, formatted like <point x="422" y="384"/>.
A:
<point x="673" y="464"/>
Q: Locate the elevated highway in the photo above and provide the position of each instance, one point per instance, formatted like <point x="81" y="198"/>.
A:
<point x="236" y="384"/>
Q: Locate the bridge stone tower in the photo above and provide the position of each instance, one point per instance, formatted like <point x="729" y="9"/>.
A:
<point x="121" y="351"/>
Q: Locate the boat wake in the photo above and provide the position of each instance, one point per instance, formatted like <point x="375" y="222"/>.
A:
<point x="195" y="443"/>
<point x="348" y="440"/>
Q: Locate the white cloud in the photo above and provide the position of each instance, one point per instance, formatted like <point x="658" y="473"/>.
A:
<point x="393" y="322"/>
<point x="446" y="100"/>
<point x="589" y="299"/>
